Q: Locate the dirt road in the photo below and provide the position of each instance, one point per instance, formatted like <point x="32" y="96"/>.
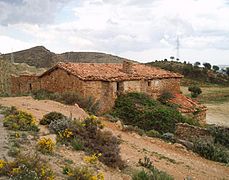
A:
<point x="218" y="114"/>
<point x="172" y="158"/>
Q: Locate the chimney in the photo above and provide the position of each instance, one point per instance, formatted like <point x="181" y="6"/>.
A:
<point x="127" y="67"/>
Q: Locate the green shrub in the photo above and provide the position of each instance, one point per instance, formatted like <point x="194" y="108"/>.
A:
<point x="44" y="94"/>
<point x="146" y="162"/>
<point x="211" y="151"/>
<point x="59" y="125"/>
<point x="6" y="111"/>
<point x="152" y="174"/>
<point x="141" y="175"/>
<point x="69" y="98"/>
<point x="134" y="129"/>
<point x="165" y="97"/>
<point x="87" y="135"/>
<point x="82" y="173"/>
<point x="20" y="120"/>
<point x="153" y="133"/>
<point x="77" y="144"/>
<point x="195" y="91"/>
<point x="26" y="167"/>
<point x="140" y="110"/>
<point x="52" y="116"/>
<point x="220" y="134"/>
<point x="87" y="103"/>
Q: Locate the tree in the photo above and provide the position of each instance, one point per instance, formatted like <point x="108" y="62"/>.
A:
<point x="196" y="64"/>
<point x="215" y="68"/>
<point x="227" y="71"/>
<point x="207" y="65"/>
<point x="195" y="91"/>
<point x="177" y="59"/>
<point x="172" y="58"/>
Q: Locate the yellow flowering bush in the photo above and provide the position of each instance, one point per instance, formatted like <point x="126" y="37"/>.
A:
<point x="26" y="167"/>
<point x="66" y="134"/>
<point x="20" y="120"/>
<point x="93" y="159"/>
<point x="46" y="145"/>
<point x="2" y="163"/>
<point x="82" y="172"/>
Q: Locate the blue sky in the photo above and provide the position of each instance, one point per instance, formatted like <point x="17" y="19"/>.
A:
<point x="142" y="30"/>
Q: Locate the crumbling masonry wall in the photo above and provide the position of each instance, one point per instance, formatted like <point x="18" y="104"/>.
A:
<point x="103" y="91"/>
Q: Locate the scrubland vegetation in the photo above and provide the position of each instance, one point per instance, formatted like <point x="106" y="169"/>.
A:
<point x="70" y="98"/>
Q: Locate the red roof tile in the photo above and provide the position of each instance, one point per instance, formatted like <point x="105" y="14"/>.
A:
<point x="186" y="104"/>
<point x="113" y="71"/>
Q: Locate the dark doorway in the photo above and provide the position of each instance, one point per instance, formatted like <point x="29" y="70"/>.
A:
<point x="30" y="86"/>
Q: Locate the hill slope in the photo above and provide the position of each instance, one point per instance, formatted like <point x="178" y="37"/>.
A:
<point x="193" y="73"/>
<point x="41" y="57"/>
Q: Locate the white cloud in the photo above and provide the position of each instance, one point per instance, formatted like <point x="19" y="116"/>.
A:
<point x="132" y="28"/>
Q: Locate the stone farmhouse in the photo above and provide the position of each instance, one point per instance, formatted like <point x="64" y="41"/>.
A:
<point x="105" y="81"/>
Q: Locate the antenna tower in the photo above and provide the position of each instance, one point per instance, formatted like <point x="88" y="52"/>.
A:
<point x="178" y="47"/>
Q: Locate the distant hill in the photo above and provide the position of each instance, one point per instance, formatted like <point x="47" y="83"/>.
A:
<point x="41" y="57"/>
<point x="192" y="72"/>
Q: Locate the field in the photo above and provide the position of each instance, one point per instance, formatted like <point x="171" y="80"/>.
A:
<point x="216" y="98"/>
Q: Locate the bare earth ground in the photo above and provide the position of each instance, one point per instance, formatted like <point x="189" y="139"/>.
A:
<point x="218" y="114"/>
<point x="172" y="158"/>
<point x="218" y="111"/>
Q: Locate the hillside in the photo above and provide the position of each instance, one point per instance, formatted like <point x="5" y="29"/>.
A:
<point x="41" y="57"/>
<point x="193" y="74"/>
<point x="174" y="159"/>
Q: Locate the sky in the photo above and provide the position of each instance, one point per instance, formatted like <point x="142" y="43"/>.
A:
<point x="142" y="30"/>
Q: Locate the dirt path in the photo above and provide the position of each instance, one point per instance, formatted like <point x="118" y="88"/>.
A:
<point x="172" y="158"/>
<point x="218" y="114"/>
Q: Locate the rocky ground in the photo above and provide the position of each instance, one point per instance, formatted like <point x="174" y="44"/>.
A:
<point x="172" y="158"/>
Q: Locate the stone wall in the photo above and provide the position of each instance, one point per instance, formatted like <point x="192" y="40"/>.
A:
<point x="23" y="84"/>
<point x="192" y="133"/>
<point x="105" y="92"/>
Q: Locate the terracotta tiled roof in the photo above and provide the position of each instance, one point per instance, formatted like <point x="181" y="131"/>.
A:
<point x="186" y="104"/>
<point x="112" y="71"/>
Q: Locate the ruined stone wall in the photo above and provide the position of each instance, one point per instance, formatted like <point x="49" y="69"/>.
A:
<point x="60" y="81"/>
<point x="192" y="133"/>
<point x="23" y="84"/>
<point x="157" y="86"/>
<point x="131" y="86"/>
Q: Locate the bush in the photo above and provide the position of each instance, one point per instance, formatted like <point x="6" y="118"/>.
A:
<point x="82" y="173"/>
<point x="6" y="111"/>
<point x="87" y="103"/>
<point x="153" y="133"/>
<point x="220" y="134"/>
<point x="69" y="98"/>
<point x="152" y="174"/>
<point x="87" y="135"/>
<point x="134" y="129"/>
<point x="195" y="91"/>
<point x="77" y="144"/>
<point x="140" y="110"/>
<point x="52" y="116"/>
<point x="165" y="97"/>
<point x="211" y="151"/>
<point x="59" y="125"/>
<point x="26" y="167"/>
<point x="45" y="145"/>
<point x="20" y="120"/>
<point x="44" y="94"/>
<point x="141" y="175"/>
